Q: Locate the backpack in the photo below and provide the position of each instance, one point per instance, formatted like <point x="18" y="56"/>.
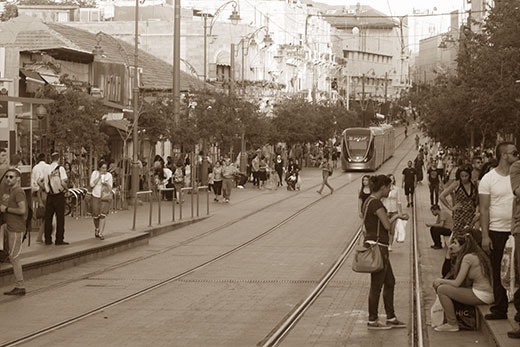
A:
<point x="55" y="182"/>
<point x="178" y="177"/>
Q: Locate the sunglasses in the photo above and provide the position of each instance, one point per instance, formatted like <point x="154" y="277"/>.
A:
<point x="10" y="176"/>
<point x="514" y="153"/>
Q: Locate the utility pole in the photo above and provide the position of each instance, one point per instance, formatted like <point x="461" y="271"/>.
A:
<point x="135" y="90"/>
<point x="204" y="164"/>
<point x="176" y="62"/>
<point x="232" y="72"/>
<point x="363" y="100"/>
<point x="242" y="41"/>
<point x="205" y="47"/>
<point x="386" y="86"/>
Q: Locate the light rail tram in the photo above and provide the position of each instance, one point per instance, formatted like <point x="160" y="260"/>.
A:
<point x="366" y="149"/>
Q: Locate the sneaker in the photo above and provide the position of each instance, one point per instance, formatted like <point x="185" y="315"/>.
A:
<point x="436" y="247"/>
<point x="514" y="334"/>
<point x="377" y="326"/>
<point x="408" y="205"/>
<point x="16" y="291"/>
<point x="61" y="243"/>
<point x="495" y="316"/>
<point x="447" y="328"/>
<point x="395" y="323"/>
<point x="389" y="248"/>
<point x="411" y="204"/>
<point x="227" y="200"/>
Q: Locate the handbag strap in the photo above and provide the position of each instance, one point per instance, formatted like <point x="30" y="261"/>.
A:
<point x="367" y="202"/>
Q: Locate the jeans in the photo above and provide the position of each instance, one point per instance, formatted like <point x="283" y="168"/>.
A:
<point x="448" y="293"/>
<point x="498" y="240"/>
<point x="55" y="204"/>
<point x="227" y="185"/>
<point x="434" y="194"/>
<point x="379" y="279"/>
<point x="516" y="298"/>
<point x="437" y="232"/>
<point x="15" y="251"/>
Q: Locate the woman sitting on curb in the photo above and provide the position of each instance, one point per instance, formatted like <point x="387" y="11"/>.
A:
<point x="471" y="264"/>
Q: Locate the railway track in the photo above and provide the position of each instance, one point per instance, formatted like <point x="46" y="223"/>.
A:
<point x="283" y="328"/>
<point x="79" y="317"/>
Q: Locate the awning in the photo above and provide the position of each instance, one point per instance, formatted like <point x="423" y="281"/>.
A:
<point x="51" y="79"/>
<point x="32" y="76"/>
<point x="224" y="58"/>
<point x="120" y="124"/>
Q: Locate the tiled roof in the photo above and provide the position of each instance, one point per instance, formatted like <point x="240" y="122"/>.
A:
<point x="29" y="33"/>
<point x="156" y="75"/>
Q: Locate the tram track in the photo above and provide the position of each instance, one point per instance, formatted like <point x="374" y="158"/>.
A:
<point x="77" y="318"/>
<point x="283" y="328"/>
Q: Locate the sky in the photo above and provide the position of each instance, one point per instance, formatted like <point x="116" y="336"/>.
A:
<point x="419" y="27"/>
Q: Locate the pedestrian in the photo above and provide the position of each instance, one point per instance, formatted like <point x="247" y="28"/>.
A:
<point x="418" y="165"/>
<point x="217" y="180"/>
<point x="443" y="226"/>
<point x="377" y="225"/>
<point x="434" y="183"/>
<point x="178" y="180"/>
<point x="464" y="200"/>
<point x="15" y="210"/>
<point x="409" y="182"/>
<point x="255" y="168"/>
<point x="471" y="264"/>
<point x="363" y="194"/>
<point x="440" y="165"/>
<point x="417" y="141"/>
<point x="39" y="195"/>
<point x="327" y="168"/>
<point x="476" y="163"/>
<point x="55" y="185"/>
<point x="101" y="182"/>
<point x="496" y="204"/>
<point x="514" y="174"/>
<point x="228" y="175"/>
<point x="279" y="167"/>
<point x="393" y="206"/>
<point x="262" y="172"/>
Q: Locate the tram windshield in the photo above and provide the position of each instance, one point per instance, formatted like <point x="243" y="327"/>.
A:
<point x="357" y="144"/>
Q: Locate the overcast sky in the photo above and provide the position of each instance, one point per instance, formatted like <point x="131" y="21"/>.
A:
<point x="423" y="26"/>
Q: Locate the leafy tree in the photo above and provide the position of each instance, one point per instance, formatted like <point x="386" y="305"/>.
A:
<point x="74" y="120"/>
<point x="10" y="11"/>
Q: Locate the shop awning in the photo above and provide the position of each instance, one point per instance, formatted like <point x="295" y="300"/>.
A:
<point x="224" y="58"/>
<point x="32" y="76"/>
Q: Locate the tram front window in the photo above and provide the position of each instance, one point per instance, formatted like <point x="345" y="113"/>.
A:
<point x="357" y="145"/>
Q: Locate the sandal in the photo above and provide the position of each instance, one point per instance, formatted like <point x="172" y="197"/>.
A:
<point x="101" y="237"/>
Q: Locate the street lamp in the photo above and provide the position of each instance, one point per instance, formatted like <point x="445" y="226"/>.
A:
<point x="234" y="18"/>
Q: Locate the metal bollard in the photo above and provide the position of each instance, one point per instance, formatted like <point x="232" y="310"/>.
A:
<point x="181" y="199"/>
<point x="197" y="201"/>
<point x="159" y="194"/>
<point x="173" y="207"/>
<point x="151" y="210"/>
<point x="192" y="201"/>
<point x="135" y="212"/>
<point x="207" y="201"/>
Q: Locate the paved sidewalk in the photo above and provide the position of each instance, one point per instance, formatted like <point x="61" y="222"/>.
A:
<point x="80" y="232"/>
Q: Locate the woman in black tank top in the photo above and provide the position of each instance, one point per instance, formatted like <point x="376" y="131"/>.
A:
<point x="364" y="193"/>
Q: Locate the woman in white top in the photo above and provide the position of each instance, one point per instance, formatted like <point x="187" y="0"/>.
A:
<point x="472" y="264"/>
<point x="393" y="207"/>
<point x="101" y="182"/>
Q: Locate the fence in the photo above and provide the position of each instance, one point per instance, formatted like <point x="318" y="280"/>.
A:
<point x="195" y="203"/>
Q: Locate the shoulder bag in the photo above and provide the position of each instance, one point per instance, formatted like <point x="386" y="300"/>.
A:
<point x="368" y="259"/>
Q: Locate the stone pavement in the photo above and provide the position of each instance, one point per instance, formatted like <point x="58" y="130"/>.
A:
<point x="80" y="231"/>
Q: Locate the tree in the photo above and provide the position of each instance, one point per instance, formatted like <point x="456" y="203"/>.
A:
<point x="10" y="11"/>
<point x="74" y="120"/>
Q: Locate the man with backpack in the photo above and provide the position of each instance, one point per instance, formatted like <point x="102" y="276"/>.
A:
<point x="55" y="182"/>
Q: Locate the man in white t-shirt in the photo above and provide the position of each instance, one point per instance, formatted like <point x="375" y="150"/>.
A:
<point x="496" y="204"/>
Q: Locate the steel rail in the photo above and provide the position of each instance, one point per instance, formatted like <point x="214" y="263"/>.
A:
<point x="417" y="317"/>
<point x="276" y="336"/>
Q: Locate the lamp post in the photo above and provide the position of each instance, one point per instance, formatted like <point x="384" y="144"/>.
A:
<point x="135" y="167"/>
<point x="234" y="18"/>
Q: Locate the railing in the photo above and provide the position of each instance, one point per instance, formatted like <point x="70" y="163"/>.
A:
<point x="194" y="202"/>
<point x="137" y="194"/>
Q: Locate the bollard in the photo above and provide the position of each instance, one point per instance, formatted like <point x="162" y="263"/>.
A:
<point x="159" y="194"/>
<point x="135" y="212"/>
<point x="197" y="201"/>
<point x="173" y="206"/>
<point x="151" y="210"/>
<point x="192" y="200"/>
<point x="207" y="201"/>
<point x="180" y="204"/>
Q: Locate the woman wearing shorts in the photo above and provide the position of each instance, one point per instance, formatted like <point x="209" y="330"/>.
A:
<point x="101" y="182"/>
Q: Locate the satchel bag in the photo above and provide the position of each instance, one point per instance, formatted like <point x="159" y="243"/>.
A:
<point x="106" y="194"/>
<point x="40" y="212"/>
<point x="368" y="259"/>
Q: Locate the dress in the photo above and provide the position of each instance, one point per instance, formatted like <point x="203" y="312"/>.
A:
<point x="463" y="216"/>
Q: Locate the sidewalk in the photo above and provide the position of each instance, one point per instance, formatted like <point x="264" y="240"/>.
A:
<point x="490" y="333"/>
<point x="38" y="258"/>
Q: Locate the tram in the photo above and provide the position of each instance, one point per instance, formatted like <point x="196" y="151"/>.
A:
<point x="366" y="149"/>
